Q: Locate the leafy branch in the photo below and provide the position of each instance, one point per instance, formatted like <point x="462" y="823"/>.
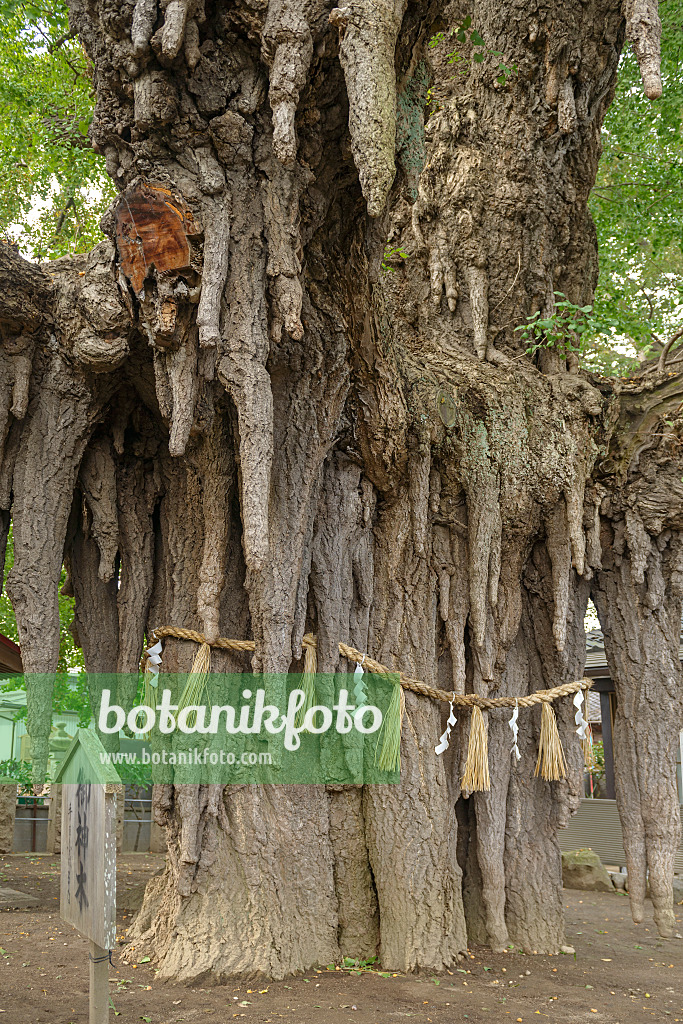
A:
<point x="465" y="35"/>
<point x="392" y="253"/>
<point x="353" y="966"/>
<point x="46" y="107"/>
<point x="20" y="772"/>
<point x="564" y="329"/>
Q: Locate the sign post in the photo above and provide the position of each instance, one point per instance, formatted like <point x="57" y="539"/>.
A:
<point x="88" y="859"/>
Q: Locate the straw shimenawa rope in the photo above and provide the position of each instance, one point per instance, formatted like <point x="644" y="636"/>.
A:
<point x="551" y="763"/>
<point x="467" y="700"/>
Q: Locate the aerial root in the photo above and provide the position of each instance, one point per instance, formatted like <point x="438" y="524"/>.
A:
<point x="368" y="31"/>
<point x="644" y="32"/>
<point x="144" y="16"/>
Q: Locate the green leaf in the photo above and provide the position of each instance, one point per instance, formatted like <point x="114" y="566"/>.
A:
<point x="46" y="107"/>
<point x="637" y="206"/>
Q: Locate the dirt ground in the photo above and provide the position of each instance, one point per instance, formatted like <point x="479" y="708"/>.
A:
<point x="621" y="973"/>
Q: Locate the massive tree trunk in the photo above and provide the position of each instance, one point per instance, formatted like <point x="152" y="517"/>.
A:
<point x="263" y="429"/>
<point x="639" y="597"/>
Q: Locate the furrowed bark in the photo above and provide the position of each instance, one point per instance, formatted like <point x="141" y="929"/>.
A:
<point x="137" y="493"/>
<point x="642" y="648"/>
<point x="639" y="597"/>
<point x="53" y="442"/>
<point x="95" y="627"/>
<point x="26" y="291"/>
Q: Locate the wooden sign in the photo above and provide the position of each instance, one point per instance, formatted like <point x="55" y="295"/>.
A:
<point x="152" y="229"/>
<point x="88" y="891"/>
<point x="88" y="860"/>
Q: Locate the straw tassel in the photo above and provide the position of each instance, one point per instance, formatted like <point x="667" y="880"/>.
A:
<point x="308" y="681"/>
<point x="390" y="733"/>
<point x="551" y="763"/>
<point x="476" y="777"/>
<point x="587" y="747"/>
<point x="196" y="682"/>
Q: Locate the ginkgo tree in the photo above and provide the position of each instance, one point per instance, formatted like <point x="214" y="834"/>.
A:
<point x="228" y="418"/>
